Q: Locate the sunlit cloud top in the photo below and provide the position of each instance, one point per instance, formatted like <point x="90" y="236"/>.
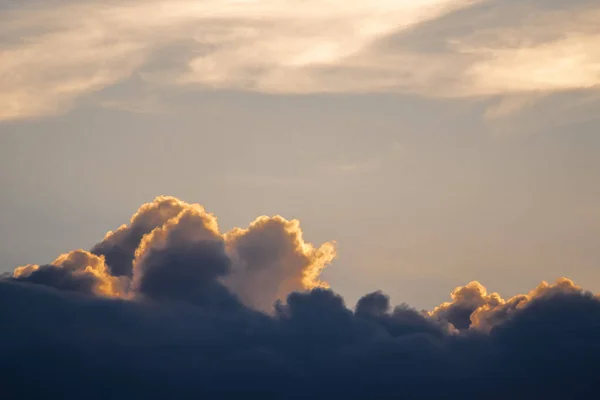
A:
<point x="53" y="53"/>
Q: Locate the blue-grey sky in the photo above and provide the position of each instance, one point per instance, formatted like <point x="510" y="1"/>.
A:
<point x="436" y="141"/>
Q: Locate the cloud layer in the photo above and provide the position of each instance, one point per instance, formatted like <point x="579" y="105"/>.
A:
<point x="55" y="52"/>
<point x="169" y="306"/>
<point x="172" y="250"/>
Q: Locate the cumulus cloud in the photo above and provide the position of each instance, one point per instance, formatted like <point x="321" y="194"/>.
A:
<point x="473" y="308"/>
<point x="271" y="259"/>
<point x="492" y="313"/>
<point x="52" y="54"/>
<point x="313" y="346"/>
<point x="77" y="271"/>
<point x="183" y="260"/>
<point x="119" y="247"/>
<point x="173" y="250"/>
<point x="465" y="300"/>
<point x="187" y="311"/>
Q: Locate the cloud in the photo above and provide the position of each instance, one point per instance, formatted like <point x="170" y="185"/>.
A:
<point x="57" y="55"/>
<point x="510" y="105"/>
<point x="54" y="54"/>
<point x="183" y="260"/>
<point x="560" y="53"/>
<point x="472" y="307"/>
<point x="119" y="247"/>
<point x="188" y="311"/>
<point x="312" y="346"/>
<point x="465" y="300"/>
<point x="174" y="251"/>
<point x="77" y="271"/>
<point x="493" y="313"/>
<point x="271" y="259"/>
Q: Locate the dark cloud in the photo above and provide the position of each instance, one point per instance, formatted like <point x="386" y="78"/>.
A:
<point x="183" y="260"/>
<point x="465" y="300"/>
<point x="259" y="265"/>
<point x="119" y="247"/>
<point x="403" y="320"/>
<point x="184" y="324"/>
<point x="63" y="345"/>
<point x="60" y="278"/>
<point x="373" y="305"/>
<point x="472" y="307"/>
<point x="188" y="274"/>
<point x="77" y="271"/>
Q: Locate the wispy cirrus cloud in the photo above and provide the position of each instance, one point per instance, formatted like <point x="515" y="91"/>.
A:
<point x="51" y="54"/>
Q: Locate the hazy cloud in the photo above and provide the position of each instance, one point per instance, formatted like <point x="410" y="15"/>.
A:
<point x="54" y="53"/>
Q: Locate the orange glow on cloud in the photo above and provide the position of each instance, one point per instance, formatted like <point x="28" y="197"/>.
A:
<point x="260" y="264"/>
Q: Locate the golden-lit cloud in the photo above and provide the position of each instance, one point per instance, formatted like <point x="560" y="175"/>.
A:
<point x="490" y="314"/>
<point x="465" y="300"/>
<point x="472" y="306"/>
<point x="78" y="271"/>
<point x="120" y="247"/>
<point x="310" y="346"/>
<point x="51" y="55"/>
<point x="174" y="250"/>
<point x="271" y="260"/>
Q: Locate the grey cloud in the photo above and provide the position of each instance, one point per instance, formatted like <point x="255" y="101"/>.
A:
<point x="180" y="330"/>
<point x="189" y="274"/>
<point x="465" y="300"/>
<point x="77" y="271"/>
<point x="473" y="308"/>
<point x="119" y="247"/>
<point x="312" y="347"/>
<point x="60" y="278"/>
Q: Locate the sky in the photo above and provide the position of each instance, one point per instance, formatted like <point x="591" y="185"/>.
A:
<point x="437" y="142"/>
<point x="291" y="199"/>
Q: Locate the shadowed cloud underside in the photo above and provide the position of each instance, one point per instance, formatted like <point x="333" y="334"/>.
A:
<point x="169" y="305"/>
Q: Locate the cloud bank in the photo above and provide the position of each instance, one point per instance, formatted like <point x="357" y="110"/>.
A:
<point x="169" y="306"/>
<point x="173" y="250"/>
<point x="52" y="53"/>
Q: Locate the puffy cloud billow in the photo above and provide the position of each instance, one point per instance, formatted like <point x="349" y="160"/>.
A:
<point x="168" y="306"/>
<point x="170" y="248"/>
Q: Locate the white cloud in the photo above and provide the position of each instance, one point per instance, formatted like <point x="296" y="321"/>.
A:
<point x="551" y="51"/>
<point x="51" y="56"/>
